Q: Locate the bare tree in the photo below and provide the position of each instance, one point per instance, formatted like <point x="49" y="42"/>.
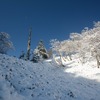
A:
<point x="29" y="45"/>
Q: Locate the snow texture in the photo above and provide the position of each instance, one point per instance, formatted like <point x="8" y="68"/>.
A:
<point x="24" y="80"/>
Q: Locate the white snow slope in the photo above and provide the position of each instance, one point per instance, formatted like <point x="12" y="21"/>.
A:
<point x="24" y="80"/>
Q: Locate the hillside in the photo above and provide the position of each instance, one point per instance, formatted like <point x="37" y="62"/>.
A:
<point x="24" y="80"/>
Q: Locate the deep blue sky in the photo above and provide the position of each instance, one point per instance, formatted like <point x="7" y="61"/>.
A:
<point x="49" y="19"/>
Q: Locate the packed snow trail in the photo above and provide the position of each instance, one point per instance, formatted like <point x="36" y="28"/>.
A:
<point x="24" y="80"/>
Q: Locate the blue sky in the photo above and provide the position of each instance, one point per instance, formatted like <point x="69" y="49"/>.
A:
<point x="49" y="19"/>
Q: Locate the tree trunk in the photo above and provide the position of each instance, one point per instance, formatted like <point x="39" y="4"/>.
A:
<point x="29" y="45"/>
<point x="61" y="59"/>
<point x="98" y="62"/>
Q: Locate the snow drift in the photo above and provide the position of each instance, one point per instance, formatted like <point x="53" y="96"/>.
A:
<point x="24" y="80"/>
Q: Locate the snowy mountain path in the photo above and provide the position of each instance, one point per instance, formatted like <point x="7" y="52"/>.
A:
<point x="24" y="80"/>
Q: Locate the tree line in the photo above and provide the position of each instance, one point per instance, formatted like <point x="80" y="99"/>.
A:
<point x="85" y="45"/>
<point x="39" y="53"/>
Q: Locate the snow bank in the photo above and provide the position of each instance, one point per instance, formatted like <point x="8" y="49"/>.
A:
<point x="24" y="80"/>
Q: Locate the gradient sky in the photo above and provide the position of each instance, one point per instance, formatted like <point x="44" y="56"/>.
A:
<point x="49" y="19"/>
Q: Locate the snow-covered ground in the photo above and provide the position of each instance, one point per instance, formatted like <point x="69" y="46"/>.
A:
<point x="24" y="80"/>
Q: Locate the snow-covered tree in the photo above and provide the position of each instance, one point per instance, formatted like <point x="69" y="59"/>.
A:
<point x="97" y="24"/>
<point x="80" y="43"/>
<point x="85" y="44"/>
<point x="42" y="50"/>
<point x="75" y="36"/>
<point x="56" y="47"/>
<point x="5" y="43"/>
<point x="40" y="53"/>
<point x="91" y="41"/>
<point x="35" y="56"/>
